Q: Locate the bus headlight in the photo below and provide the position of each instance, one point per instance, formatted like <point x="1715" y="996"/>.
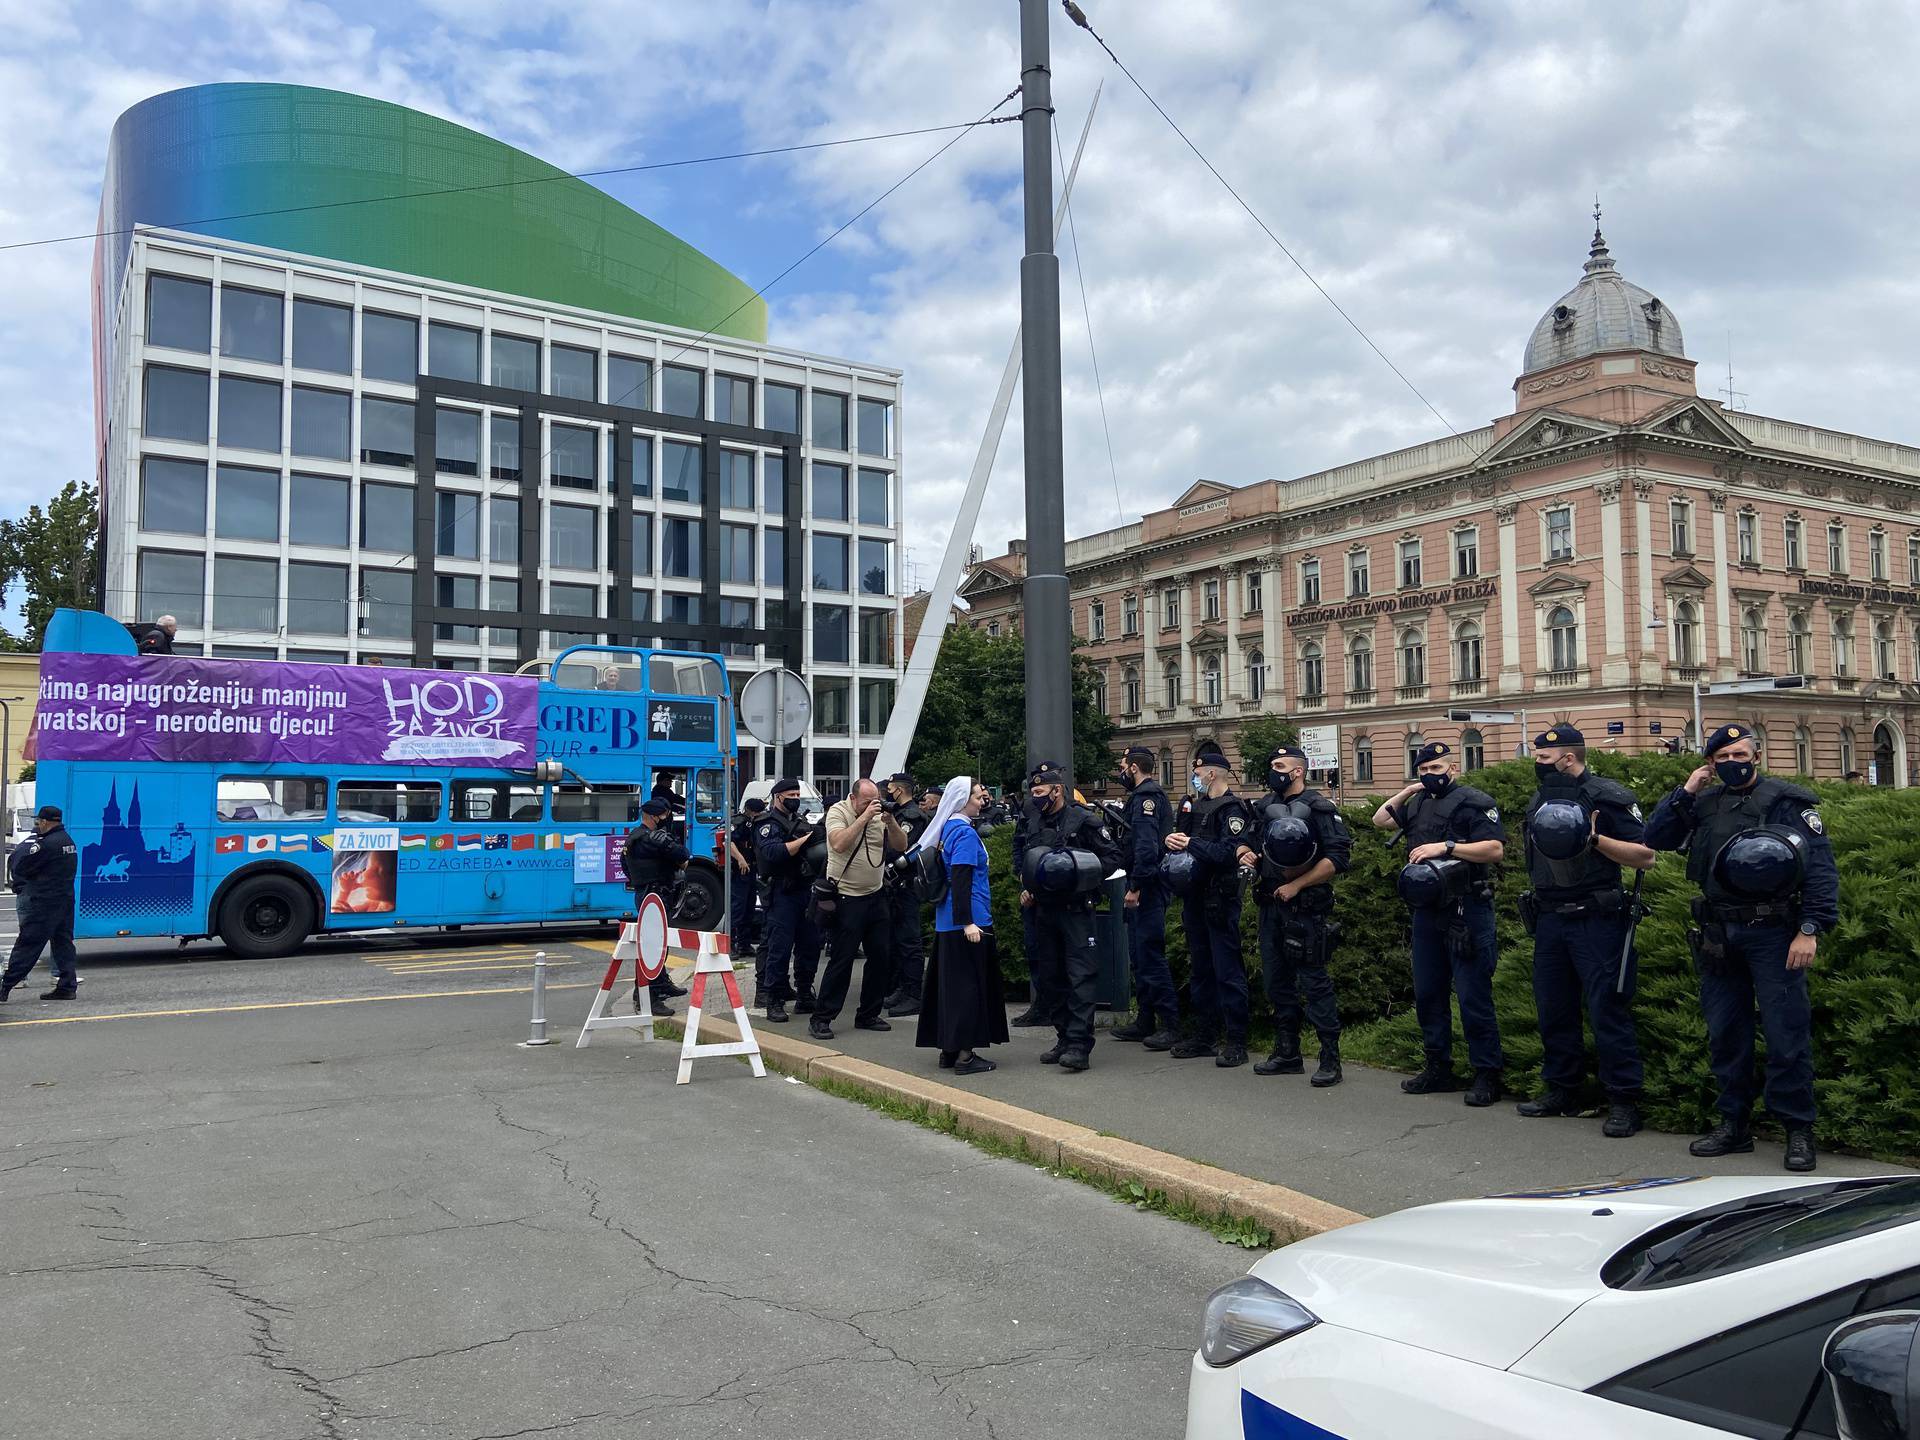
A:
<point x="1246" y="1316"/>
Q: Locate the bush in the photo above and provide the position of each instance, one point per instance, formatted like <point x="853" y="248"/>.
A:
<point x="1866" y="985"/>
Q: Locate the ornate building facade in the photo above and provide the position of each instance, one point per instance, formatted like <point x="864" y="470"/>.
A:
<point x="1614" y="545"/>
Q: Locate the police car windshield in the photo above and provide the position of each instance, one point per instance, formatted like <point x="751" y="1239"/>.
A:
<point x="1762" y="1228"/>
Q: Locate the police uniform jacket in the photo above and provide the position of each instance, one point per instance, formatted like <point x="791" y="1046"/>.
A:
<point x="1703" y="823"/>
<point x="1463" y="814"/>
<point x="650" y="857"/>
<point x="43" y="867"/>
<point x="741" y="836"/>
<point x="771" y="860"/>
<point x="912" y="819"/>
<point x="1618" y="812"/>
<point x="1149" y="818"/>
<point x="1330" y="834"/>
<point x="1024" y="820"/>
<point x="1072" y="827"/>
<point x="1218" y="827"/>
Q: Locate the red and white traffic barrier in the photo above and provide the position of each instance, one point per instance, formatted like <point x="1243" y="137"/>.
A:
<point x="644" y="942"/>
<point x="716" y="958"/>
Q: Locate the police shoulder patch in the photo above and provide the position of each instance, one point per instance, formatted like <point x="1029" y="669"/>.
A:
<point x="1634" y="810"/>
<point x="766" y="832"/>
<point x="1146" y="807"/>
<point x="1493" y="812"/>
<point x="1235" y="825"/>
<point x="1811" y="819"/>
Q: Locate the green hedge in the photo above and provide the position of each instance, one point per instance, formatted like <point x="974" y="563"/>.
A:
<point x="1866" y="986"/>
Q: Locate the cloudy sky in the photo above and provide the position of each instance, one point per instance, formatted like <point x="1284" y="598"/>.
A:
<point x="1433" y="165"/>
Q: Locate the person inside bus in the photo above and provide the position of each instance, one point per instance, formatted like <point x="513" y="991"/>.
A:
<point x="157" y="638"/>
<point x="653" y="860"/>
<point x="609" y="678"/>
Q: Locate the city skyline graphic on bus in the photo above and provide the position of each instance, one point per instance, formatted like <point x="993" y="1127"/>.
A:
<point x="121" y="875"/>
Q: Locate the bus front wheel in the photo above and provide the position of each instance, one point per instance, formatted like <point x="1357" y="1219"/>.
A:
<point x="267" y="916"/>
<point x="700" y="901"/>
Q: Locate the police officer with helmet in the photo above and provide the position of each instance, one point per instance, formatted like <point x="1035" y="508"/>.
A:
<point x="41" y="873"/>
<point x="1769" y="890"/>
<point x="787" y="852"/>
<point x="1047" y="1007"/>
<point x="1303" y="844"/>
<point x="740" y="845"/>
<point x="1149" y="816"/>
<point x="1454" y="836"/>
<point x="1204" y="867"/>
<point x="1067" y="856"/>
<point x="909" y="946"/>
<point x="1580" y="830"/>
<point x="653" y="860"/>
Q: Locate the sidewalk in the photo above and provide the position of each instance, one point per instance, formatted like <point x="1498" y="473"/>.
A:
<point x="1361" y="1144"/>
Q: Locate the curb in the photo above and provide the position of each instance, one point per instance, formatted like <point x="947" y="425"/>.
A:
<point x="1058" y="1144"/>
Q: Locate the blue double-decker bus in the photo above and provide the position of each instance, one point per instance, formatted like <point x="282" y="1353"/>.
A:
<point x="265" y="802"/>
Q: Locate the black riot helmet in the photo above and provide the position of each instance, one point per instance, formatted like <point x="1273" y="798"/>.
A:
<point x="1560" y="832"/>
<point x="1063" y="872"/>
<point x="1181" y="872"/>
<point x="1427" y="883"/>
<point x="1288" y="842"/>
<point x="1763" y="864"/>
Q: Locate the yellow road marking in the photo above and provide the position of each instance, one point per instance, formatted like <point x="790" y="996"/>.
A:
<point x="285" y="1005"/>
<point x="469" y="969"/>
<point x="421" y="956"/>
<point x="460" y="960"/>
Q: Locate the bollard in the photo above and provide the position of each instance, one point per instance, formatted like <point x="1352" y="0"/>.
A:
<point x="539" y="1031"/>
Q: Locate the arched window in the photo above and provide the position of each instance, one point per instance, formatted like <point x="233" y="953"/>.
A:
<point x="1847" y="767"/>
<point x="1313" y="669"/>
<point x="1753" y="641"/>
<point x="1414" y="743"/>
<point x="1883" y="650"/>
<point x="1130" y="689"/>
<point x="1210" y="680"/>
<point x="1563" y="640"/>
<point x="1473" y="750"/>
<point x="1363" y="760"/>
<point x="1689" y="738"/>
<point x="1256" y="675"/>
<point x="1802" y="750"/>
<point x="1172" y="676"/>
<point x="1360" y="664"/>
<point x="1166" y="768"/>
<point x="1800" y="647"/>
<point x="1468" y="651"/>
<point x="1686" y="633"/>
<point x="1100" y="691"/>
<point x="1843" y="649"/>
<point x="1413" y="657"/>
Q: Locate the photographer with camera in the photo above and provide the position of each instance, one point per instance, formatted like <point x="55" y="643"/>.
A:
<point x="860" y="833"/>
<point x="903" y="907"/>
<point x="782" y="844"/>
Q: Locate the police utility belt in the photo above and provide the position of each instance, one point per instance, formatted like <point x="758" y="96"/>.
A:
<point x="1611" y="901"/>
<point x="1728" y="912"/>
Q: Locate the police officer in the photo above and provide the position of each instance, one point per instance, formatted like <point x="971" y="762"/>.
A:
<point x="1580" y="829"/>
<point x="653" y="860"/>
<point x="1047" y="1007"/>
<point x="1063" y="960"/>
<point x="780" y="844"/>
<point x="1214" y="826"/>
<point x="1295" y="896"/>
<point x="909" y="946"/>
<point x="1769" y="890"/>
<point x="41" y="875"/>
<point x="1149" y="816"/>
<point x="1454" y="944"/>
<point x="745" y="915"/>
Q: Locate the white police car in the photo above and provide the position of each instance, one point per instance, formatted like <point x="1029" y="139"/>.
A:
<point x="1655" y="1309"/>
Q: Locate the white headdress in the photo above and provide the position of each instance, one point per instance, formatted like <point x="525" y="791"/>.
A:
<point x="958" y="791"/>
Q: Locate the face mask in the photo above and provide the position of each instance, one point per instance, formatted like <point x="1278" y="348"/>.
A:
<point x="1734" y="774"/>
<point x="1127" y="782"/>
<point x="1436" y="785"/>
<point x="788" y="804"/>
<point x="1199" y="785"/>
<point x="1547" y="774"/>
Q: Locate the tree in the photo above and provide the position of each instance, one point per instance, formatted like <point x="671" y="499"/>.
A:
<point x="53" y="554"/>
<point x="1257" y="738"/>
<point x="975" y="719"/>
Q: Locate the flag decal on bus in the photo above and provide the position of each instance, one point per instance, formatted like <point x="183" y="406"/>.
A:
<point x="413" y="842"/>
<point x="468" y="842"/>
<point x="260" y="844"/>
<point x="229" y="844"/>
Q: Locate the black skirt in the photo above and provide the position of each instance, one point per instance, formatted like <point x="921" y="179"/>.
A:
<point x="962" y="1005"/>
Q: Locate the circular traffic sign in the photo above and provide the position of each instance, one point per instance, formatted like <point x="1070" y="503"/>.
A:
<point x="776" y="707"/>
<point x="650" y="938"/>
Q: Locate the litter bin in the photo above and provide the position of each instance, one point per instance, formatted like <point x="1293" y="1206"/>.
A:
<point x="1114" y="990"/>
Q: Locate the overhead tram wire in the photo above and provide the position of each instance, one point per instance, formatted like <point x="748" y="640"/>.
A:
<point x="1080" y="274"/>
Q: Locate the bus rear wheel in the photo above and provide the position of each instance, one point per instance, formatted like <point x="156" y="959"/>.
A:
<point x="700" y="901"/>
<point x="266" y="916"/>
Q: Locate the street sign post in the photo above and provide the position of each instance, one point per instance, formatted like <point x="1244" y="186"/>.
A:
<point x="1322" y="744"/>
<point x="776" y="707"/>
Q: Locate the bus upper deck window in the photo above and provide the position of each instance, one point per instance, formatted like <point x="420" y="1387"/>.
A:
<point x="614" y="670"/>
<point x="263" y="799"/>
<point x="685" y="675"/>
<point x="367" y="801"/>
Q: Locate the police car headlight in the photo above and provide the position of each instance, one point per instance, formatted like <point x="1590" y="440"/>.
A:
<point x="1246" y="1316"/>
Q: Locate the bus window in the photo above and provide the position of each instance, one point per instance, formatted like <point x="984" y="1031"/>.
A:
<point x="617" y="670"/>
<point x="495" y="802"/>
<point x="597" y="804"/>
<point x="261" y="799"/>
<point x="710" y="795"/>
<point x="684" y="675"/>
<point x="366" y="801"/>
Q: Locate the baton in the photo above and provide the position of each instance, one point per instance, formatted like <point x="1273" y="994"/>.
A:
<point x="1634" y="912"/>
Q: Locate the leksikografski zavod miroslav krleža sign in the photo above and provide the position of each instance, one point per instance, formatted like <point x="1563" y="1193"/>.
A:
<point x="180" y="709"/>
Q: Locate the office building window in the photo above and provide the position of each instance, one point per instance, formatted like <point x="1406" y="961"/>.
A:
<point x="875" y="565"/>
<point x="1256" y="591"/>
<point x="386" y="603"/>
<point x="829" y="492"/>
<point x="503" y="530"/>
<point x="573" y="373"/>
<point x="1363" y="761"/>
<point x="737" y="616"/>
<point x="456" y="530"/>
<point x="1170" y="609"/>
<point x="1359" y="575"/>
<point x="1802" y="750"/>
<point x="1313" y="670"/>
<point x="573" y="537"/>
<point x="876" y="706"/>
<point x="1360" y="665"/>
<point x="179" y="313"/>
<point x="453" y="352"/>
<point x="1884" y="647"/>
<point x="829" y="562"/>
<point x="1799" y="643"/>
<point x="736" y="480"/>
<point x="642" y="464"/>
<point x="1560" y="532"/>
<point x="322" y="336"/>
<point x="1466" y="553"/>
<point x="1686" y="634"/>
<point x="681" y="391"/>
<point x="736" y="554"/>
<point x="1210" y="599"/>
<point x="774" y="555"/>
<point x="250" y="324"/>
<point x="503" y="447"/>
<point x="1413" y="658"/>
<point x="1256" y="675"/>
<point x="386" y="518"/>
<point x="874" y="485"/>
<point x="1847" y="766"/>
<point x="1416" y="742"/>
<point x="386" y="431"/>
<point x="783" y="408"/>
<point x="1913" y="561"/>
<point x="456" y="441"/>
<point x="876" y="637"/>
<point x="1468" y="651"/>
<point x="680" y="548"/>
<point x="1843" y="647"/>
<point x="1410" y="564"/>
<point x="173" y="495"/>
<point x="876" y="427"/>
<point x="830" y="715"/>
<point x="830" y="634"/>
<point x="1097" y="621"/>
<point x="1130" y="691"/>
<point x="1794" y="556"/>
<point x="640" y="543"/>
<point x="575" y="457"/>
<point x="680" y="477"/>
<point x="1680" y="517"/>
<point x="503" y="595"/>
<point x="1473" y="749"/>
<point x="249" y="413"/>
<point x="389" y="347"/>
<point x="319" y="510"/>
<point x="457" y="592"/>
<point x="316" y="598"/>
<point x="732" y="400"/>
<point x="1210" y="681"/>
<point x="246" y="593"/>
<point x="1877" y="556"/>
<point x="1753" y="641"/>
<point x="246" y="504"/>
<point x="1309" y="582"/>
<point x="1563" y="640"/>
<point x="829" y="420"/>
<point x="1837" y="549"/>
<point x="1130" y="615"/>
<point x="322" y="423"/>
<point x="1170" y="679"/>
<point x="516" y="362"/>
<point x="1747" y="537"/>
<point x="171" y="584"/>
<point x="629" y="382"/>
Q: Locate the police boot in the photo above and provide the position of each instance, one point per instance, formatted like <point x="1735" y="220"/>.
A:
<point x="1729" y="1137"/>
<point x="1555" y="1101"/>
<point x="1031" y="1017"/>
<point x="1436" y="1079"/>
<point x="1329" y="1071"/>
<point x="1193" y="1048"/>
<point x="777" y="1013"/>
<point x="1286" y="1058"/>
<point x="1162" y="1039"/>
<point x="1623" y="1120"/>
<point x="1485" y="1089"/>
<point x="1138" y="1028"/>
<point x="804" y="1003"/>
<point x="669" y="989"/>
<point x="1800" y="1148"/>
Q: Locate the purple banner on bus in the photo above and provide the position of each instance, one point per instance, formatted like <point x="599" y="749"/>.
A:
<point x="177" y="708"/>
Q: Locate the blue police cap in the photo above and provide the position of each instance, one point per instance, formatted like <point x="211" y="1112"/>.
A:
<point x="1725" y="736"/>
<point x="1433" y="750"/>
<point x="1559" y="735"/>
<point x="656" y="807"/>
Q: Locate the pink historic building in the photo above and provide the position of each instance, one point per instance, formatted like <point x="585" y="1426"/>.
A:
<point x="1591" y="557"/>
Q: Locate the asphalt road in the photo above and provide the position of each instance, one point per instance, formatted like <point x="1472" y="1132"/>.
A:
<point x="379" y="1218"/>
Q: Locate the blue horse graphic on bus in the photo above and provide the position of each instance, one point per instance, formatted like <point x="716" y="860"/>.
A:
<point x="121" y="875"/>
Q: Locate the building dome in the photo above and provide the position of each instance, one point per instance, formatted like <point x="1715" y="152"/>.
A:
<point x="1605" y="311"/>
